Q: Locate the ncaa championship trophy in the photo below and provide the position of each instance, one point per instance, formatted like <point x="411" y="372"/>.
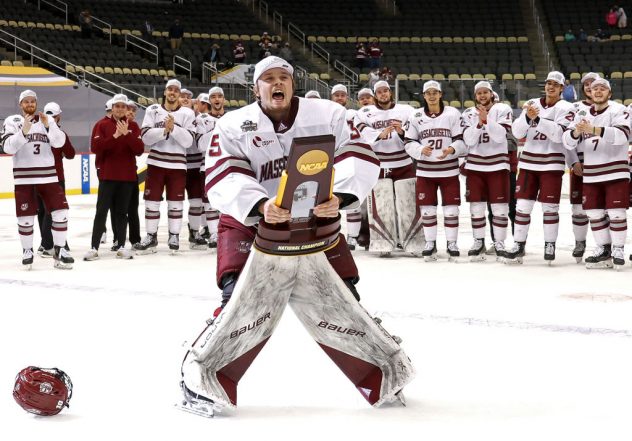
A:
<point x="287" y="265"/>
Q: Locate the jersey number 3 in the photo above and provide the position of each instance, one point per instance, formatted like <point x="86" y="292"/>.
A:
<point x="36" y="149"/>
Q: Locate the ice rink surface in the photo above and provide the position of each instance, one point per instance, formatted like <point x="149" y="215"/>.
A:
<point x="524" y="352"/>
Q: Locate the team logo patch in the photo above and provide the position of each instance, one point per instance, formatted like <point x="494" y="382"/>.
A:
<point x="244" y="246"/>
<point x="582" y="113"/>
<point x="467" y="193"/>
<point x="46" y="388"/>
<point x="575" y="194"/>
<point x="418" y="115"/>
<point x="517" y="188"/>
<point x="258" y="142"/>
<point x="147" y="191"/>
<point x="248" y="126"/>
<point x="583" y="200"/>
<point x="24" y="206"/>
<point x="422" y="196"/>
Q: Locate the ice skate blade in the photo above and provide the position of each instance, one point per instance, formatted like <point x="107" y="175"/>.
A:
<point x="130" y="257"/>
<point x="479" y="258"/>
<point x="145" y="252"/>
<point x="400" y="396"/>
<point x="28" y="266"/>
<point x="607" y="264"/>
<point x="549" y="262"/>
<point x="174" y="252"/>
<point x="203" y="411"/>
<point x="198" y="247"/>
<point x="579" y="259"/>
<point x="432" y="258"/>
<point x="454" y="259"/>
<point x="618" y="267"/>
<point x="63" y="266"/>
<point x="515" y="261"/>
<point x="385" y="254"/>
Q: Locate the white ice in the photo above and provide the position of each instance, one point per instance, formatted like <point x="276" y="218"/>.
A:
<point x="524" y="352"/>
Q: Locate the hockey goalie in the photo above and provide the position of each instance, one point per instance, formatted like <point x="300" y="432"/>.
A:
<point x="251" y="167"/>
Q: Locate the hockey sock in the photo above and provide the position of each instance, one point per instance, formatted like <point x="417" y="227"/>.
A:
<point x="25" y="229"/>
<point x="195" y="214"/>
<point x="580" y="223"/>
<point x="477" y="212"/>
<point x="500" y="221"/>
<point x="175" y="216"/>
<point x="429" y="222"/>
<point x="599" y="225"/>
<point x="551" y="220"/>
<point x="451" y="222"/>
<point x="523" y="219"/>
<point x="212" y="217"/>
<point x="354" y="222"/>
<point x="59" y="227"/>
<point x="152" y="216"/>
<point x="618" y="226"/>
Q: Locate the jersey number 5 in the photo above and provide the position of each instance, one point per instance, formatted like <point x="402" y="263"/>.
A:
<point x="214" y="148"/>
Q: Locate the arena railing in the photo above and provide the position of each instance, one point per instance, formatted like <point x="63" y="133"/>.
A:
<point x="56" y="4"/>
<point x="144" y="45"/>
<point x="104" y="26"/>
<point x="183" y="64"/>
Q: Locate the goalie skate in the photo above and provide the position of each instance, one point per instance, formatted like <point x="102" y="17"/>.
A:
<point x="196" y="404"/>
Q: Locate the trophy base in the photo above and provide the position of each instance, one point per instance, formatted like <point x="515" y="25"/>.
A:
<point x="297" y="238"/>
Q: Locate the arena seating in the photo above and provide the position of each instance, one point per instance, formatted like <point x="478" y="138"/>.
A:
<point x="563" y="15"/>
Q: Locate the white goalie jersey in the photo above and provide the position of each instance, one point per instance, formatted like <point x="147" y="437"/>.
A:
<point x="247" y="154"/>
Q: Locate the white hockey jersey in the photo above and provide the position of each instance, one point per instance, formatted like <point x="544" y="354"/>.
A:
<point x="247" y="154"/>
<point x="370" y="121"/>
<point x="204" y="125"/>
<point x="33" y="160"/>
<point x="168" y="151"/>
<point x="578" y="106"/>
<point x="487" y="144"/>
<point x="543" y="149"/>
<point x="605" y="156"/>
<point x="439" y="131"/>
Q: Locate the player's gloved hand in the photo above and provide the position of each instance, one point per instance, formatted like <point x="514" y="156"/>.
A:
<point x="329" y="208"/>
<point x="273" y="214"/>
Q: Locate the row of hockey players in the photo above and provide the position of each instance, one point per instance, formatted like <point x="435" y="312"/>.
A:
<point x="590" y="137"/>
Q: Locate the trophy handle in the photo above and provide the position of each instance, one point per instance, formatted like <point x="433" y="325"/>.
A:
<point x="281" y="190"/>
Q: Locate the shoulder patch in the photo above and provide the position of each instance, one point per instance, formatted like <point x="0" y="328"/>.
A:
<point x="153" y="107"/>
<point x="17" y="119"/>
<point x="365" y="109"/>
<point x="417" y="115"/>
<point x="248" y="126"/>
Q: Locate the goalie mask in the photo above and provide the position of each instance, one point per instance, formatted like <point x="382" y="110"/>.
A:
<point x="42" y="391"/>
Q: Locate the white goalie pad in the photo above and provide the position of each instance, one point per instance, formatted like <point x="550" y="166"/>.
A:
<point x="360" y="347"/>
<point x="381" y="211"/>
<point x="409" y="226"/>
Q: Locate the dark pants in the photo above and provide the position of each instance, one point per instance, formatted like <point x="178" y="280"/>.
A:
<point x="113" y="195"/>
<point x="45" y="222"/>
<point x="512" y="205"/>
<point x="132" y="219"/>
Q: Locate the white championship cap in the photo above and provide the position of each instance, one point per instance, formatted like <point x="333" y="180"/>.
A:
<point x="270" y="63"/>
<point x="27" y="93"/>
<point x="215" y="89"/>
<point x="312" y="94"/>
<point x="119" y="98"/>
<point x="365" y="91"/>
<point x="186" y="92"/>
<point x="204" y="98"/>
<point x="590" y="76"/>
<point x="556" y="76"/>
<point x="339" y="88"/>
<point x="483" y="84"/>
<point x="496" y="97"/>
<point x="600" y="82"/>
<point x="174" y="82"/>
<point x="432" y="84"/>
<point x="132" y="103"/>
<point x="379" y="84"/>
<point x="108" y="104"/>
<point x="52" y="109"/>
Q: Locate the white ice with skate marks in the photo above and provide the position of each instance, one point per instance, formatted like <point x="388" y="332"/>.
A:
<point x="502" y="352"/>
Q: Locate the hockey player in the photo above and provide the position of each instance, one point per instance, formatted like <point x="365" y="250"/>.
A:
<point x="393" y="217"/>
<point x="312" y="94"/>
<point x="30" y="138"/>
<point x="365" y="97"/>
<point x="247" y="152"/>
<point x="603" y="132"/>
<point x="186" y="98"/>
<point x="541" y="165"/>
<point x="487" y="165"/>
<point x="117" y="141"/>
<point x="168" y="130"/>
<point x="434" y="137"/>
<point x="44" y="218"/>
<point x="580" y="220"/>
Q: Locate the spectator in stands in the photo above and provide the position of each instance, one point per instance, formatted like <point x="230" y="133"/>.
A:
<point x="212" y="56"/>
<point x="582" y="35"/>
<point x="85" y="22"/>
<point x="147" y="30"/>
<point x="265" y="51"/>
<point x="176" y="32"/>
<point x="375" y="54"/>
<point x="386" y="74"/>
<point x="611" y="17"/>
<point x="286" y="53"/>
<point x="622" y="18"/>
<point x="360" y="56"/>
<point x="374" y="77"/>
<point x="265" y="39"/>
<point x="239" y="52"/>
<point x="569" y="93"/>
<point x="569" y="36"/>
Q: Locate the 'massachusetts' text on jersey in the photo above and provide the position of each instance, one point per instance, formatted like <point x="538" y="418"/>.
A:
<point x="168" y="151"/>
<point x="487" y="143"/>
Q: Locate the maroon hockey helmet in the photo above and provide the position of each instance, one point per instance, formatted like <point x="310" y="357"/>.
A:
<point x="42" y="391"/>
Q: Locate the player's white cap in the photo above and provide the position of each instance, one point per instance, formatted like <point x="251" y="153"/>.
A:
<point x="556" y="76"/>
<point x="312" y="94"/>
<point x="496" y="97"/>
<point x="271" y="62"/>
<point x="108" y="104"/>
<point x="52" y="109"/>
<point x="365" y="91"/>
<point x="379" y="84"/>
<point x="132" y="103"/>
<point x="483" y="85"/>
<point x="215" y="89"/>
<point x="339" y="88"/>
<point x="119" y="98"/>
<point x="174" y="82"/>
<point x="186" y="92"/>
<point x="27" y="93"/>
<point x="432" y="84"/>
<point x="600" y="82"/>
<point x="590" y="76"/>
<point x="204" y="98"/>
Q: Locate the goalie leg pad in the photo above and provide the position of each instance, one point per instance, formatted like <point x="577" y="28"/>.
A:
<point x="381" y="211"/>
<point x="223" y="352"/>
<point x="363" y="350"/>
<point x="409" y="225"/>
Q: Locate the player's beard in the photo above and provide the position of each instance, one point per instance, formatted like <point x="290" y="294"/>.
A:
<point x="384" y="104"/>
<point x="600" y="101"/>
<point x="29" y="110"/>
<point x="218" y="108"/>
